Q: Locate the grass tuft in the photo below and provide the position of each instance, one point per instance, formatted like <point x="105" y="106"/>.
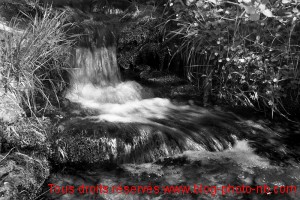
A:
<point x="33" y="61"/>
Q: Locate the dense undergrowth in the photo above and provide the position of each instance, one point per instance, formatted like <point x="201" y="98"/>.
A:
<point x="244" y="52"/>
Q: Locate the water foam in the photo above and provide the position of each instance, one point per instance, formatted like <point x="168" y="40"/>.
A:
<point x="96" y="86"/>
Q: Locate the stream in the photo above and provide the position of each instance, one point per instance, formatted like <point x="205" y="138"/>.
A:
<point x="120" y="141"/>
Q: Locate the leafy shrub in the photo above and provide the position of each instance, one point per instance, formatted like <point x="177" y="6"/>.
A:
<point x="139" y="28"/>
<point x="247" y="51"/>
<point x="33" y="60"/>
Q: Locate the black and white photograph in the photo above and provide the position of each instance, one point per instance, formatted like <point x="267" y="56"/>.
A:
<point x="149" y="99"/>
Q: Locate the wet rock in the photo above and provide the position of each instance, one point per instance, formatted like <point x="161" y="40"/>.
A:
<point x="92" y="141"/>
<point x="215" y="171"/>
<point x="106" y="143"/>
<point x="144" y="172"/>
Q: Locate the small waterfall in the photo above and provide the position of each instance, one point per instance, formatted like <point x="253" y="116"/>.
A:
<point x="96" y="66"/>
<point x="125" y="126"/>
<point x="94" y="58"/>
<point x="96" y="76"/>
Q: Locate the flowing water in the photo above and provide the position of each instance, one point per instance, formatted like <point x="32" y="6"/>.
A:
<point x="212" y="148"/>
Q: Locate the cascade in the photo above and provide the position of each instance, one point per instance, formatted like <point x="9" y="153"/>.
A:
<point x="142" y="135"/>
<point x="96" y="86"/>
<point x="96" y="77"/>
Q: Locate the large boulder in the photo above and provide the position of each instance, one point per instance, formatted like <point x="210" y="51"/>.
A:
<point x="24" y="151"/>
<point x="90" y="141"/>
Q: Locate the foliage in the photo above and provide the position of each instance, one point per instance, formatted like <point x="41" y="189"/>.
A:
<point x="249" y="50"/>
<point x="33" y="60"/>
<point x="140" y="28"/>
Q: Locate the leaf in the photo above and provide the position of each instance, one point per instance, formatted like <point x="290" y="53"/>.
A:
<point x="199" y="4"/>
<point x="254" y="17"/>
<point x="295" y="10"/>
<point x="262" y="7"/>
<point x="250" y="10"/>
<point x="267" y="13"/>
<point x="270" y="103"/>
<point x="213" y="1"/>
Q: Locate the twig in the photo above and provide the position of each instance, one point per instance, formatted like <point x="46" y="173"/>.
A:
<point x="41" y="194"/>
<point x="7" y="154"/>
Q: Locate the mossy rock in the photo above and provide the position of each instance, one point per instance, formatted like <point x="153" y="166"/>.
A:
<point x="90" y="142"/>
<point x="22" y="176"/>
<point x="27" y="134"/>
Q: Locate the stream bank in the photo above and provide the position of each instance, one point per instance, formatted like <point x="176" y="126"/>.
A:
<point x="156" y="123"/>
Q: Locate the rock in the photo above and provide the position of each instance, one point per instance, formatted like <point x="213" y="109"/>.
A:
<point x="107" y="143"/>
<point x="23" y="163"/>
<point x="28" y="134"/>
<point x="88" y="141"/>
<point x="10" y="111"/>
<point x="218" y="171"/>
<point x="21" y="176"/>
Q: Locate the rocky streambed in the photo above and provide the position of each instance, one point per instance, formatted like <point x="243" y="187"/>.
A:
<point x="74" y="152"/>
<point x="233" y="174"/>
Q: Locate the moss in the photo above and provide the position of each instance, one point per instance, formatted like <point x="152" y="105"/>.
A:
<point x="21" y="176"/>
<point x="84" y="140"/>
<point x="29" y="134"/>
<point x="24" y="149"/>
